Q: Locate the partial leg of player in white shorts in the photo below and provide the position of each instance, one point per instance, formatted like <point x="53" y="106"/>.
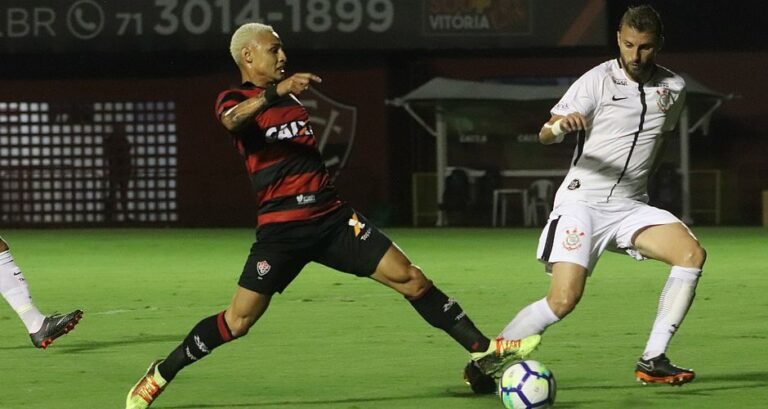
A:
<point x="675" y="245"/>
<point x="43" y="330"/>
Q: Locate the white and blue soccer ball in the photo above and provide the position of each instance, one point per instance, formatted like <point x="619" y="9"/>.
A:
<point x="527" y="385"/>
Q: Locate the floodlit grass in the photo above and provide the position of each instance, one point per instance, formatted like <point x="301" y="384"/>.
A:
<point x="335" y="341"/>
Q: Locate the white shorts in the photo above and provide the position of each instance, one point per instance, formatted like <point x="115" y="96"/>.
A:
<point x="579" y="232"/>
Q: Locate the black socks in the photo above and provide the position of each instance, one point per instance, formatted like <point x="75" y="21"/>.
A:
<point x="208" y="334"/>
<point x="446" y="314"/>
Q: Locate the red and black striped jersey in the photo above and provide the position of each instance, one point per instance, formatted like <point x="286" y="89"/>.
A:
<point x="286" y="169"/>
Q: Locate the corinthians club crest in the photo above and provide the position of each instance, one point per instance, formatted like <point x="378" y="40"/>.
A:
<point x="334" y="125"/>
<point x="572" y="239"/>
<point x="665" y="99"/>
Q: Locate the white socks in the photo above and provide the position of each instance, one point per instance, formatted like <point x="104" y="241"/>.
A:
<point x="531" y="320"/>
<point x="674" y="302"/>
<point x="14" y="289"/>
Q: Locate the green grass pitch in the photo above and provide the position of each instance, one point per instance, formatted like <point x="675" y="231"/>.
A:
<point x="335" y="341"/>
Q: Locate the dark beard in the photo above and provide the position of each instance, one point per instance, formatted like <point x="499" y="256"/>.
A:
<point x="640" y="73"/>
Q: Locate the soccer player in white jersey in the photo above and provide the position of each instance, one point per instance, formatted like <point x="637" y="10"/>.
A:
<point x="619" y="111"/>
<point x="42" y="329"/>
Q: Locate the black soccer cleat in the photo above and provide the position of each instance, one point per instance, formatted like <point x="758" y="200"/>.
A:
<point x="660" y="370"/>
<point x="55" y="326"/>
<point x="477" y="380"/>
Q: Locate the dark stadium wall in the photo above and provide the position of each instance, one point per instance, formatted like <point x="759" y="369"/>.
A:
<point x="210" y="186"/>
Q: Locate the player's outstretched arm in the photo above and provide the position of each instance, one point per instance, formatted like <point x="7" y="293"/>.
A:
<point x="241" y="113"/>
<point x="555" y="129"/>
<point x="297" y="83"/>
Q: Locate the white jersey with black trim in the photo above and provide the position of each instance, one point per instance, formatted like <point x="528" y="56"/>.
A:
<point x="625" y="122"/>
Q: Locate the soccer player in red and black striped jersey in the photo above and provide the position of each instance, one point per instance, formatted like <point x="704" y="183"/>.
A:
<point x="301" y="219"/>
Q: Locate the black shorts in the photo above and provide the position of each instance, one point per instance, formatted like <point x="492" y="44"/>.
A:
<point x="343" y="240"/>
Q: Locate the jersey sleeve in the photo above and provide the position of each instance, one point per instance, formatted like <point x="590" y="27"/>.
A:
<point x="582" y="96"/>
<point x="227" y="100"/>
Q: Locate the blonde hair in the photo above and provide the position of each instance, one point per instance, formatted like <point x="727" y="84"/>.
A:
<point x="243" y="35"/>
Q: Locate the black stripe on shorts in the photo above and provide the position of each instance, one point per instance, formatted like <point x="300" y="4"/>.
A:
<point x="550" y="239"/>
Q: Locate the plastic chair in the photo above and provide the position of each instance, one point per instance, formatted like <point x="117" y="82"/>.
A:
<point x="540" y="198"/>
<point x="500" y="203"/>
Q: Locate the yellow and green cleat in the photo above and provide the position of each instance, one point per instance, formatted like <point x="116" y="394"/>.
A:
<point x="503" y="352"/>
<point x="147" y="389"/>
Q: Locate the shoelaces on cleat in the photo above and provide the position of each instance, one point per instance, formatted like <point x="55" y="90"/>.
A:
<point x="505" y="345"/>
<point x="148" y="389"/>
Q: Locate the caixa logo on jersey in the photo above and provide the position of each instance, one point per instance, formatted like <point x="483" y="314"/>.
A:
<point x="287" y="131"/>
<point x="334" y="127"/>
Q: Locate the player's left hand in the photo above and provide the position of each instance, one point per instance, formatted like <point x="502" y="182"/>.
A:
<point x="573" y="122"/>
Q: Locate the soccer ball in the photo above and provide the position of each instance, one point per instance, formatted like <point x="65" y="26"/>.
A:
<point x="527" y="385"/>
